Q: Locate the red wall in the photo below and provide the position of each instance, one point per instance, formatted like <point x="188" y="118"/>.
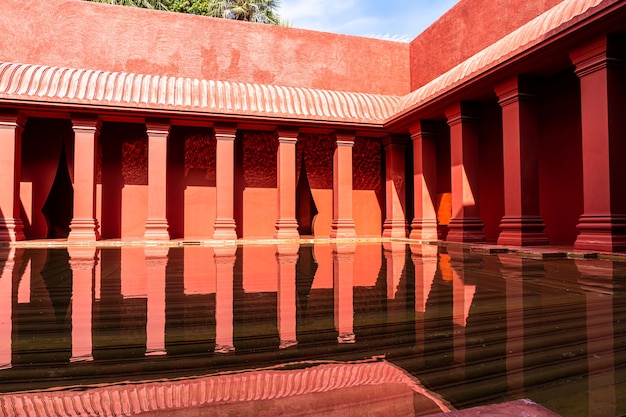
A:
<point x="114" y="38"/>
<point x="467" y="28"/>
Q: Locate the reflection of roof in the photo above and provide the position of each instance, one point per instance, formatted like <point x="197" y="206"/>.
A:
<point x="43" y="84"/>
<point x="168" y="396"/>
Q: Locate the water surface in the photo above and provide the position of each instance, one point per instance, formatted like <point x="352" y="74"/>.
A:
<point x="473" y="329"/>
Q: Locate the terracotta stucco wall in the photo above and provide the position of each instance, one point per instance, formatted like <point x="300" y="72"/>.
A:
<point x="467" y="28"/>
<point x="88" y="35"/>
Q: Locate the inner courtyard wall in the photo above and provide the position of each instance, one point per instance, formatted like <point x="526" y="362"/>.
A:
<point x="465" y="29"/>
<point x="79" y="34"/>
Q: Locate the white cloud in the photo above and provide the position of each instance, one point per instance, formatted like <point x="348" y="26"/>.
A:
<point x="392" y="19"/>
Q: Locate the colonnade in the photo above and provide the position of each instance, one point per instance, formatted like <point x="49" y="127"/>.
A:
<point x="599" y="66"/>
<point x="601" y="69"/>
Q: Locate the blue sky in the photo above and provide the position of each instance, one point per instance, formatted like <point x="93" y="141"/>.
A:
<point x="400" y="20"/>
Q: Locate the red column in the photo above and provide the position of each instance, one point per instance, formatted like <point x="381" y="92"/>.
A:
<point x="522" y="224"/>
<point x="84" y="225"/>
<point x="286" y="224"/>
<point x="465" y="224"/>
<point x="395" y="225"/>
<point x="424" y="225"/>
<point x="83" y="262"/>
<point x="343" y="282"/>
<point x="602" y="76"/>
<point x="225" y="257"/>
<point x="287" y="257"/>
<point x="156" y="224"/>
<point x="11" y="128"/>
<point x="342" y="225"/>
<point x="225" y="227"/>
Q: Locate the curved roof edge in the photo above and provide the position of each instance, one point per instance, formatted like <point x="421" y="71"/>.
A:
<point x="515" y="42"/>
<point x="169" y="396"/>
<point x="40" y="83"/>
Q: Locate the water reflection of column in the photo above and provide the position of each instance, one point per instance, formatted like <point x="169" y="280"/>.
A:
<point x="395" y="255"/>
<point x="224" y="263"/>
<point x="425" y="260"/>
<point x="156" y="263"/>
<point x="462" y="297"/>
<point x="6" y="306"/>
<point x="83" y="262"/>
<point x="343" y="268"/>
<point x="600" y="337"/>
<point x="512" y="267"/>
<point x="287" y="257"/>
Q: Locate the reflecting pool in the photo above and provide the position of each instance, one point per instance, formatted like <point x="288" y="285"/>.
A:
<point x="398" y="329"/>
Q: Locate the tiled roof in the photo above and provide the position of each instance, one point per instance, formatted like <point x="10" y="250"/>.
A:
<point x="39" y="83"/>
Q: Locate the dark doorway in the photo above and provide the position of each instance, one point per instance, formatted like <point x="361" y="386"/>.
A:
<point x="306" y="210"/>
<point x="58" y="208"/>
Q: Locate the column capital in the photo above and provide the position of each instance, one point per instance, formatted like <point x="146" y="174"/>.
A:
<point x="344" y="138"/>
<point x="158" y="127"/>
<point x="461" y="112"/>
<point x="86" y="123"/>
<point x="600" y="53"/>
<point x="424" y="129"/>
<point x="516" y="88"/>
<point x="399" y="141"/>
<point x="13" y="119"/>
<point x="287" y="134"/>
<point x="225" y="131"/>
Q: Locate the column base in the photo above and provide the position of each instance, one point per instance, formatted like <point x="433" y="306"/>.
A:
<point x="424" y="229"/>
<point x="466" y="230"/>
<point x="522" y="231"/>
<point x="346" y="338"/>
<point x="83" y="230"/>
<point x="602" y="233"/>
<point x="342" y="229"/>
<point x="224" y="348"/>
<point x="157" y="229"/>
<point x="286" y="229"/>
<point x="395" y="228"/>
<point x="11" y="230"/>
<point x="284" y="344"/>
<point x="225" y="229"/>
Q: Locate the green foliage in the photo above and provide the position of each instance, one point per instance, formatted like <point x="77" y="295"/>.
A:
<point x="262" y="11"/>
<point x="146" y="4"/>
